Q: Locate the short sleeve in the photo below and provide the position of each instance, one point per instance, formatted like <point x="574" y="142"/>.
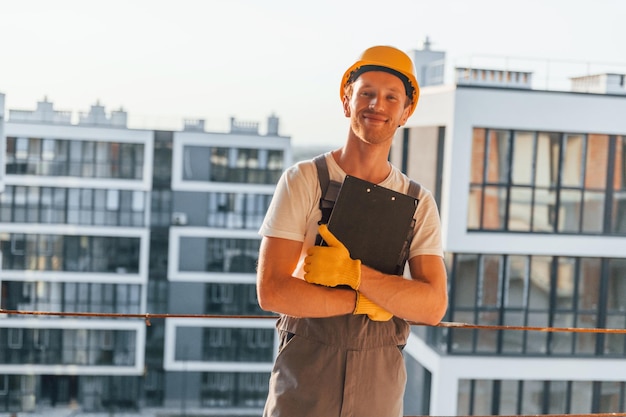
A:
<point x="293" y="204"/>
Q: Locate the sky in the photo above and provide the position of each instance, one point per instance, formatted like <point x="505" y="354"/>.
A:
<point x="165" y="61"/>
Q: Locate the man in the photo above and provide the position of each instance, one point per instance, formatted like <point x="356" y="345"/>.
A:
<point x="342" y="324"/>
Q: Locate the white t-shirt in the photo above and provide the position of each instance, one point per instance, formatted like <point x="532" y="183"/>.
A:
<point x="294" y="212"/>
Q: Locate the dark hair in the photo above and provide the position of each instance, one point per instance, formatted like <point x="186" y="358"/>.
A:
<point x="408" y="87"/>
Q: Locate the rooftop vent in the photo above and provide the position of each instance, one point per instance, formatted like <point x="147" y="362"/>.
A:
<point x="193" y="125"/>
<point x="97" y="117"/>
<point x="44" y="113"/>
<point x="493" y="78"/>
<point x="600" y="84"/>
<point x="250" y="128"/>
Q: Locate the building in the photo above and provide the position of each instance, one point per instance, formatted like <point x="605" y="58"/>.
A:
<point x="531" y="185"/>
<point x="96" y="217"/>
<point x="221" y="187"/>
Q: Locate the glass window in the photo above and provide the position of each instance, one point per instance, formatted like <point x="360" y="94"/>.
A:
<point x="19" y="199"/>
<point x="218" y="255"/>
<point x="48" y="150"/>
<point x="4" y="384"/>
<point x="6" y="206"/>
<point x="138" y="164"/>
<point x="99" y="205"/>
<point x="593" y="212"/>
<point x="516" y="282"/>
<point x="494" y="207"/>
<point x="537" y="291"/>
<point x="138" y="201"/>
<point x="570" y="211"/>
<point x="88" y="159"/>
<point x="474" y="212"/>
<point x="596" y="161"/>
<point x="15" y="338"/>
<point x="21" y="148"/>
<point x="126" y="161"/>
<point x="546" y="182"/>
<point x="34" y="156"/>
<point x="46" y="205"/>
<point x="489" y="278"/>
<point x="520" y="209"/>
<point x="548" y="156"/>
<point x="113" y="197"/>
<point x="252" y="389"/>
<point x="618" y="218"/>
<point x="611" y="397"/>
<point x="275" y="160"/>
<point x="72" y="253"/>
<point x="32" y="204"/>
<point x="571" y="173"/>
<point x="73" y="205"/>
<point x="544" y="210"/>
<point x="75" y="158"/>
<point x="478" y="156"/>
<point x="11" y="148"/>
<point x="581" y="398"/>
<point x="523" y="158"/>
<point x="219" y="164"/>
<point x="620" y="164"/>
<point x="59" y="215"/>
<point x="76" y="153"/>
<point x="617" y="285"/>
<point x="498" y="157"/>
<point x="103" y="160"/>
<point x="196" y="166"/>
<point x="218" y="390"/>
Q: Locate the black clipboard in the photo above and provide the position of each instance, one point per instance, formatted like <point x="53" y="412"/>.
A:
<point x="374" y="223"/>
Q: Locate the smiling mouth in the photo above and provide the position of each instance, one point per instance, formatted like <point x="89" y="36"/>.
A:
<point x="375" y="118"/>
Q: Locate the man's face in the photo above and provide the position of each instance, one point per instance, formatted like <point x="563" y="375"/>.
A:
<point x="377" y="106"/>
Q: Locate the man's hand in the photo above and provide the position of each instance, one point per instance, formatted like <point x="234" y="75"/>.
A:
<point x="331" y="265"/>
<point x="374" y="311"/>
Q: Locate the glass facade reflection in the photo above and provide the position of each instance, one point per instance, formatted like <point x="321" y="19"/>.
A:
<point x="233" y="165"/>
<point x="536" y="291"/>
<point x="510" y="397"/>
<point x="40" y="252"/>
<point x="67" y="347"/>
<point x="547" y="182"/>
<point x="77" y="206"/>
<point x="74" y="158"/>
<point x="219" y="254"/>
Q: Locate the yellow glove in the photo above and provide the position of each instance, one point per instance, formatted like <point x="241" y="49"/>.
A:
<point x="366" y="306"/>
<point x="331" y="265"/>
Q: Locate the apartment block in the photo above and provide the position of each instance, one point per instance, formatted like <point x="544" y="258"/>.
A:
<point x="96" y="217"/>
<point x="531" y="185"/>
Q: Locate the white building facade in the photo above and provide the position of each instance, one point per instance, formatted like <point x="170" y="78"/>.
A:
<point x="531" y="186"/>
<point x="99" y="218"/>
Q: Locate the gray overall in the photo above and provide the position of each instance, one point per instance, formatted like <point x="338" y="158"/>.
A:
<point x="344" y="366"/>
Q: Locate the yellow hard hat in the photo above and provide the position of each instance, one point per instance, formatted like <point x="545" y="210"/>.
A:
<point x="389" y="59"/>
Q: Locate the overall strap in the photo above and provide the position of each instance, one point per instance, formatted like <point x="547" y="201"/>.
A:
<point x="330" y="189"/>
<point x="414" y="189"/>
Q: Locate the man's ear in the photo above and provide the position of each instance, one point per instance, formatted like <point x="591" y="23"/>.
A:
<point x="346" y="105"/>
<point x="405" y="115"/>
